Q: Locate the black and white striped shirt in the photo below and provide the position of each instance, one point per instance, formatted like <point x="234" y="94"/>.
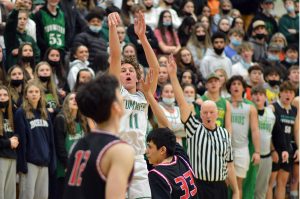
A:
<point x="209" y="150"/>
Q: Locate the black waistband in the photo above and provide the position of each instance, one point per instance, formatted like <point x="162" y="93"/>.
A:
<point x="265" y="156"/>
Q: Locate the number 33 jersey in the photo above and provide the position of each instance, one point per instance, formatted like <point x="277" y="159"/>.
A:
<point x="133" y="125"/>
<point x="84" y="178"/>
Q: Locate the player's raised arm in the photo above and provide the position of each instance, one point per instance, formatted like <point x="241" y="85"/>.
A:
<point x="114" y="45"/>
<point x="157" y="111"/>
<point x="185" y="109"/>
<point x="140" y="30"/>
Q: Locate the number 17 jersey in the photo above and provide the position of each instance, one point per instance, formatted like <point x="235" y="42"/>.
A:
<point x="133" y="125"/>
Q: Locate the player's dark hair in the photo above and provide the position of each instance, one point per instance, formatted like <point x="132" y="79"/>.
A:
<point x="258" y="89"/>
<point x="95" y="98"/>
<point x="163" y="137"/>
<point x="287" y="86"/>
<point x="255" y="67"/>
<point x="235" y="78"/>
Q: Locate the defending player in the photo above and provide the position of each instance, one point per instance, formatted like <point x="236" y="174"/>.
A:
<point x="100" y="164"/>
<point x="172" y="176"/>
<point x="134" y="123"/>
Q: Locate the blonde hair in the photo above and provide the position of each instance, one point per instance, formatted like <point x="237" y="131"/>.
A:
<point x="28" y="108"/>
<point x="51" y="86"/>
<point x="9" y="113"/>
<point x="71" y="125"/>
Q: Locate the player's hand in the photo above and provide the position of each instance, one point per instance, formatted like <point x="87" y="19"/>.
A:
<point x="285" y="156"/>
<point x="140" y="25"/>
<point x="296" y="156"/>
<point x="256" y="158"/>
<point x="275" y="157"/>
<point x="113" y="19"/>
<point x="146" y="85"/>
<point x="14" y="142"/>
<point x="172" y="66"/>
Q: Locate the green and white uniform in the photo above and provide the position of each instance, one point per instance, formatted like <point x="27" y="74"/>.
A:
<point x="133" y="130"/>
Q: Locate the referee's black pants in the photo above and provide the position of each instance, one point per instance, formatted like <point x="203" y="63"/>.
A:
<point x="212" y="190"/>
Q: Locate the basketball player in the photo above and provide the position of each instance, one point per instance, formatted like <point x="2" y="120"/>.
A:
<point x="134" y="122"/>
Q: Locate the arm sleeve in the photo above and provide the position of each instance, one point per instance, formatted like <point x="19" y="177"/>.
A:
<point x="191" y="126"/>
<point x="42" y="44"/>
<point x="159" y="187"/>
<point x="59" y="137"/>
<point x="4" y="143"/>
<point x="20" y="129"/>
<point x="10" y="32"/>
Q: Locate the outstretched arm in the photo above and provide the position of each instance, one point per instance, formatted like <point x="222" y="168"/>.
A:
<point x="114" y="45"/>
<point x="140" y="30"/>
<point x="185" y="109"/>
<point x="157" y="111"/>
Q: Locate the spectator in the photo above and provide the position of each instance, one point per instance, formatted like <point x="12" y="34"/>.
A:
<point x="167" y="5"/>
<point x="205" y="22"/>
<point x="84" y="7"/>
<point x="80" y="55"/>
<point x="215" y="58"/>
<point x="224" y="12"/>
<point x="26" y="60"/>
<point x="187" y="77"/>
<point x="289" y="23"/>
<point x="167" y="38"/>
<point x="224" y="25"/>
<point x="51" y="27"/>
<point x="293" y="77"/>
<point x="198" y="43"/>
<point x="16" y="84"/>
<point x="185" y="30"/>
<point x="69" y="126"/>
<point x="272" y="83"/>
<point x="259" y="40"/>
<point x="190" y="96"/>
<point x="235" y="40"/>
<point x="52" y="56"/>
<point x="151" y="13"/>
<point x="255" y="79"/>
<point x="34" y="128"/>
<point x="92" y="38"/>
<point x="206" y="11"/>
<point x="2" y="68"/>
<point x="163" y="78"/>
<point x="121" y="31"/>
<point x="187" y="9"/>
<point x="279" y="39"/>
<point x="223" y="79"/>
<point x="126" y="13"/>
<point x="83" y="76"/>
<point x="9" y="141"/>
<point x="291" y="56"/>
<point x="238" y="22"/>
<point x="4" y="16"/>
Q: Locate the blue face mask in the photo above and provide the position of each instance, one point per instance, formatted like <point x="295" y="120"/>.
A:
<point x="291" y="61"/>
<point x="168" y="101"/>
<point x="272" y="57"/>
<point x="95" y="29"/>
<point x="290" y="8"/>
<point x="167" y="23"/>
<point x="235" y="42"/>
<point x="246" y="65"/>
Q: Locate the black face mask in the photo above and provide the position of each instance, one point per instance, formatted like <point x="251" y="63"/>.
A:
<point x="54" y="64"/>
<point x="16" y="82"/>
<point x="168" y="3"/>
<point x="225" y="12"/>
<point x="219" y="51"/>
<point x="4" y="104"/>
<point x="27" y="59"/>
<point x="149" y="7"/>
<point x="260" y="36"/>
<point x="44" y="78"/>
<point x="274" y="82"/>
<point x="201" y="37"/>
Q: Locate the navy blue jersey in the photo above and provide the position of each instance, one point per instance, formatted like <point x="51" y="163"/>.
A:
<point x="84" y="179"/>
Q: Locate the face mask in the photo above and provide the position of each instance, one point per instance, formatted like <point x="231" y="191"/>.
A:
<point x="246" y="65"/>
<point x="219" y="51"/>
<point x="260" y="36"/>
<point x="168" y="101"/>
<point x="291" y="61"/>
<point x="54" y="64"/>
<point x="274" y="82"/>
<point x="3" y="104"/>
<point x="95" y="29"/>
<point x="167" y="23"/>
<point x="290" y="8"/>
<point x="272" y="57"/>
<point x="44" y="78"/>
<point x="235" y="42"/>
<point x="149" y="7"/>
<point x="225" y="12"/>
<point x="270" y="12"/>
<point x="189" y="100"/>
<point x="27" y="59"/>
<point x="16" y="82"/>
<point x="201" y="37"/>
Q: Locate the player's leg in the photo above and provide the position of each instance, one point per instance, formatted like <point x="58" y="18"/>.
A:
<point x="271" y="185"/>
<point x="282" y="179"/>
<point x="295" y="182"/>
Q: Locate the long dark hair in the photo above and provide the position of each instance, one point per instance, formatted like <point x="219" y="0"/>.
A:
<point x="163" y="29"/>
<point x="9" y="112"/>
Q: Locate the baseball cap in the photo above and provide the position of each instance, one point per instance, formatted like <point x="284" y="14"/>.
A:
<point x="211" y="76"/>
<point x="258" y="23"/>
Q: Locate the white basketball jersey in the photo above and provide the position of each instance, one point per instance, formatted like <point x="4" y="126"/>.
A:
<point x="133" y="126"/>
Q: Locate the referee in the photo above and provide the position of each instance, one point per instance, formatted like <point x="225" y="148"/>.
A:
<point x="209" y="146"/>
